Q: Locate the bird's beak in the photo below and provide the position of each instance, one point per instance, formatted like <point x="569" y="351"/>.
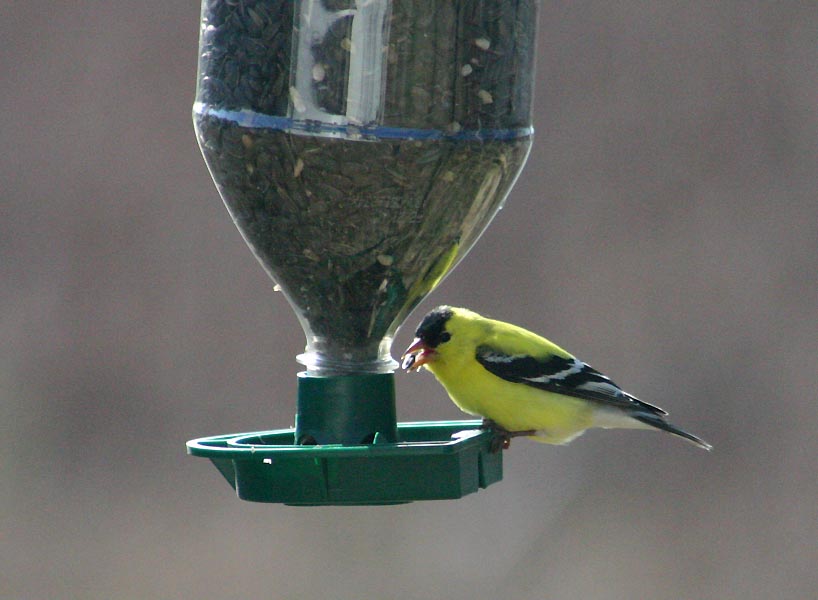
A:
<point x="416" y="355"/>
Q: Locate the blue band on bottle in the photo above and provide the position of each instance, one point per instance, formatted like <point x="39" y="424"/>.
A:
<point x="248" y="118"/>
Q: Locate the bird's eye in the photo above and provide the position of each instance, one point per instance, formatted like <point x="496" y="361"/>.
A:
<point x="445" y="337"/>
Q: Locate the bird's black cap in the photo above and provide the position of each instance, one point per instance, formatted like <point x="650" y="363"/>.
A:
<point x="432" y="329"/>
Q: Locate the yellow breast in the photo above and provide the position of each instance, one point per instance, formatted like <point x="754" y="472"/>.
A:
<point x="513" y="406"/>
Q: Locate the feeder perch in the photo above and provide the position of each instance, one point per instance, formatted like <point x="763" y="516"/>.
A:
<point x="361" y="148"/>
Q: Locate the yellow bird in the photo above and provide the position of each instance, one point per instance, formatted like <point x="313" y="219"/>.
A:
<point x="521" y="383"/>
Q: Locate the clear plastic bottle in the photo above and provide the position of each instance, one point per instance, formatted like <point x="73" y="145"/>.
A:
<point x="361" y="147"/>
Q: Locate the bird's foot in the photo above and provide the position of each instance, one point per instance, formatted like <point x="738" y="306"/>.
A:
<point x="501" y="439"/>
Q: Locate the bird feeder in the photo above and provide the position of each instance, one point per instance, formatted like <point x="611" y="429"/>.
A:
<point x="361" y="147"/>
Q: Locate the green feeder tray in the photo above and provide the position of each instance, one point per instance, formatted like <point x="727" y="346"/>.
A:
<point x="346" y="448"/>
<point x="433" y="460"/>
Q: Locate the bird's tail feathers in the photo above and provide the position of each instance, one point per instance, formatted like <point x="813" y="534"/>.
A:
<point x="659" y="423"/>
<point x="642" y="405"/>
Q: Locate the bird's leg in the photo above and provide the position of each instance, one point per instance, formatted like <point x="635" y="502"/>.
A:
<point x="489" y="424"/>
<point x="500" y="440"/>
<point x="502" y="436"/>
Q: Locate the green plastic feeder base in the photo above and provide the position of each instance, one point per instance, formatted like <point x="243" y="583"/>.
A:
<point x="432" y="460"/>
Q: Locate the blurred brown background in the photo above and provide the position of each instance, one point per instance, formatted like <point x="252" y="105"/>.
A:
<point x="665" y="229"/>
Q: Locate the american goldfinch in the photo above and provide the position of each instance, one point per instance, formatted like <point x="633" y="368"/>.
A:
<point x="521" y="383"/>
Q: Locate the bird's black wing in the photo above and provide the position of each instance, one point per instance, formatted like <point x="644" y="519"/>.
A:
<point x="561" y="375"/>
